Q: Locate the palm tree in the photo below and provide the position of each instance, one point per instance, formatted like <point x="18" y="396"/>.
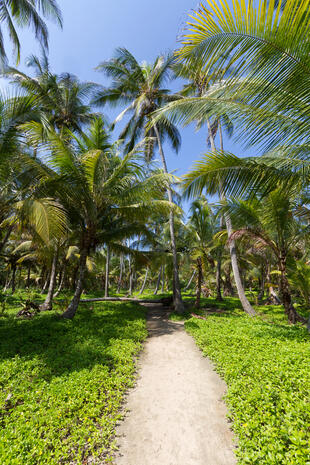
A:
<point x="26" y="13"/>
<point x="62" y="101"/>
<point x="200" y="231"/>
<point x="141" y="86"/>
<point x="271" y="224"/>
<point x="106" y="197"/>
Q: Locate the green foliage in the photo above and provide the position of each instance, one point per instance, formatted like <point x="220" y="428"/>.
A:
<point x="266" y="367"/>
<point x="63" y="383"/>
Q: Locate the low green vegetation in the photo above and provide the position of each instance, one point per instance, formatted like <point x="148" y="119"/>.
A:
<point x="63" y="382"/>
<point x="265" y="363"/>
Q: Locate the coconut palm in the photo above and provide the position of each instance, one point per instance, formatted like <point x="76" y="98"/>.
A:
<point x="140" y="86"/>
<point x="200" y="231"/>
<point x="62" y="101"/>
<point x="271" y="224"/>
<point x="107" y="197"/>
<point x="26" y="13"/>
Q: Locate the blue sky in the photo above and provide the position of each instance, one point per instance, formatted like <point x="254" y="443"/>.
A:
<point x="93" y="29"/>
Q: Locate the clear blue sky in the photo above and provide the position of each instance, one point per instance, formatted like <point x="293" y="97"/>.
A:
<point x="94" y="28"/>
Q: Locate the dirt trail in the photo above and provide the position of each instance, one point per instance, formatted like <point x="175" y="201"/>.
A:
<point x="176" y="413"/>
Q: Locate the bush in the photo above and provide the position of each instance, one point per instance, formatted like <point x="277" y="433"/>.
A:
<point x="266" y="368"/>
<point x="63" y="382"/>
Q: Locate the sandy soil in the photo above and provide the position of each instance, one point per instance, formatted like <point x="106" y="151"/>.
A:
<point x="176" y="413"/>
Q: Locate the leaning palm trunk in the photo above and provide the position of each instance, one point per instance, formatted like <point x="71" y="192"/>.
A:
<point x="190" y="280"/>
<point x="177" y="296"/>
<point x="144" y="281"/>
<point x="73" y="306"/>
<point x="232" y="246"/>
<point x="48" y="303"/>
<point x="62" y="280"/>
<point x="107" y="273"/>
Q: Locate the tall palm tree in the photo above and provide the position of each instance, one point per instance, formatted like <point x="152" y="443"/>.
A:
<point x="140" y="86"/>
<point x="26" y="13"/>
<point x="271" y="224"/>
<point x="62" y="101"/>
<point x="107" y="197"/>
<point x="200" y="231"/>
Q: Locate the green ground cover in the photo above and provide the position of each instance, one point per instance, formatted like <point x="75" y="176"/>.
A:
<point x="62" y="383"/>
<point x="266" y="365"/>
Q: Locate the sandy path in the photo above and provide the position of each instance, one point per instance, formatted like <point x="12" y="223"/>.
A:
<point x="176" y="415"/>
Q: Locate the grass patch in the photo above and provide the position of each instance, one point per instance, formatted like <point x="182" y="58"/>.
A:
<point x="265" y="364"/>
<point x="63" y="382"/>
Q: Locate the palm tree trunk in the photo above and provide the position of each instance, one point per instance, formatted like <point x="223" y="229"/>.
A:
<point x="28" y="276"/>
<point x="190" y="280"/>
<point x="130" y="276"/>
<point x="285" y="293"/>
<point x="107" y="273"/>
<point x="45" y="284"/>
<point x="177" y="296"/>
<point x="199" y="282"/>
<point x="121" y="266"/>
<point x="232" y="246"/>
<point x="63" y="277"/>
<point x="219" y="277"/>
<point x="158" y="281"/>
<point x="13" y="280"/>
<point x="163" y="281"/>
<point x="144" y="281"/>
<point x="73" y="306"/>
<point x="48" y="303"/>
<point x="262" y="285"/>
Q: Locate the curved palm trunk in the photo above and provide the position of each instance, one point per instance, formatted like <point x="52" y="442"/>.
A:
<point x="232" y="246"/>
<point x="107" y="273"/>
<point x="199" y="282"/>
<point x="63" y="277"/>
<point x="190" y="280"/>
<point x="48" y="303"/>
<point x="177" y="296"/>
<point x="73" y="306"/>
<point x="144" y="281"/>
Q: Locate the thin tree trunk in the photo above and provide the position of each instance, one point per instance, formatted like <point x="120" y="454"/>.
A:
<point x="158" y="281"/>
<point x="121" y="266"/>
<point x="144" y="281"/>
<point x="285" y="292"/>
<point x="107" y="273"/>
<point x="13" y="280"/>
<point x="130" y="276"/>
<point x="232" y="246"/>
<point x="45" y="284"/>
<point x="28" y="277"/>
<point x="219" y="264"/>
<point x="262" y="285"/>
<point x="48" y="303"/>
<point x="199" y="282"/>
<point x="190" y="280"/>
<point x="177" y="297"/>
<point x="73" y="306"/>
<point x="163" y="281"/>
<point x="63" y="277"/>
